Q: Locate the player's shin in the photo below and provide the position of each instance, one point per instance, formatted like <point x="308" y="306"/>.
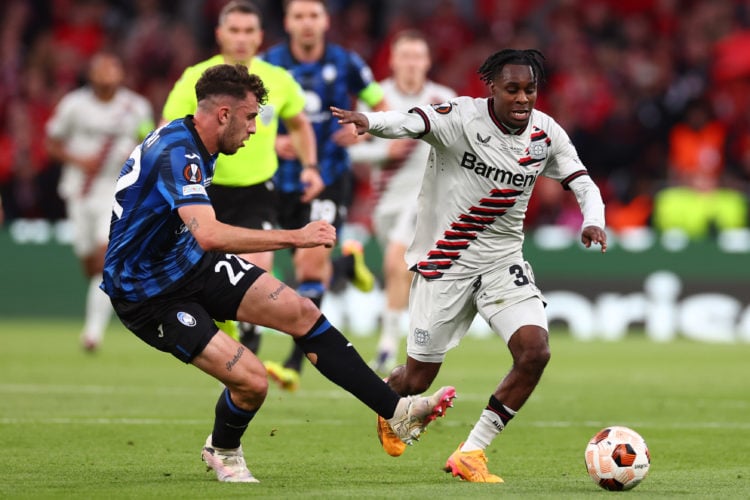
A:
<point x="230" y="422"/>
<point x="337" y="359"/>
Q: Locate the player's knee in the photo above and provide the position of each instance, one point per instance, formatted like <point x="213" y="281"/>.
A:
<point x="535" y="358"/>
<point x="530" y="349"/>
<point x="302" y="314"/>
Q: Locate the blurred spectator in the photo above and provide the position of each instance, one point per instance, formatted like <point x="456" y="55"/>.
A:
<point x="696" y="200"/>
<point x="92" y="132"/>
<point x="619" y="73"/>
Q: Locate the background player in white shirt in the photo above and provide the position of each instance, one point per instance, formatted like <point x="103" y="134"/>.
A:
<point x="486" y="156"/>
<point x="397" y="177"/>
<point x="92" y="132"/>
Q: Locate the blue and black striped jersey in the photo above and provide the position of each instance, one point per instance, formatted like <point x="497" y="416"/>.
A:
<point x="338" y="77"/>
<point x="149" y="246"/>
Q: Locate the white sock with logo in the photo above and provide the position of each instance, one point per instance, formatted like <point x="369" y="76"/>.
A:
<point x="487" y="427"/>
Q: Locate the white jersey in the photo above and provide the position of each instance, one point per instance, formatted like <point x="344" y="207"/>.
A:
<point x="89" y="127"/>
<point x="478" y="182"/>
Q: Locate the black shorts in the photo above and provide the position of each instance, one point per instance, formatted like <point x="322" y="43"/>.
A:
<point x="181" y="320"/>
<point x="253" y="207"/>
<point x="332" y="205"/>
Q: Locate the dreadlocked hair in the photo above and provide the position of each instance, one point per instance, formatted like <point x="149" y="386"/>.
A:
<point x="494" y="64"/>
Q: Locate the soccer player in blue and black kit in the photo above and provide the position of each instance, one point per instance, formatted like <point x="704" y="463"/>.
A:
<point x="171" y="268"/>
<point x="329" y="74"/>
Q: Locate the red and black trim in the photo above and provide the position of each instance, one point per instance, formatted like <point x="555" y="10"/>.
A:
<point x="464" y="231"/>
<point x="423" y="115"/>
<point x="575" y="175"/>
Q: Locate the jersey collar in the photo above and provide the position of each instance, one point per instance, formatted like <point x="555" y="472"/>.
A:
<point x="190" y="124"/>
<point x="498" y="123"/>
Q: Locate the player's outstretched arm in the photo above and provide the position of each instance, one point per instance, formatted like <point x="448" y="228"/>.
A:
<point x="213" y="235"/>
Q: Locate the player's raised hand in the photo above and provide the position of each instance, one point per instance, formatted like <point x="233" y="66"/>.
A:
<point x="360" y="121"/>
<point x="317" y="233"/>
<point x="594" y="234"/>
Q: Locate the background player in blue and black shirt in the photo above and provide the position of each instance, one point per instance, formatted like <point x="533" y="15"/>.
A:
<point x="329" y="74"/>
<point x="171" y="267"/>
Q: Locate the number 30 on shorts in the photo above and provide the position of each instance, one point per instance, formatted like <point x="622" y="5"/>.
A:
<point x="523" y="277"/>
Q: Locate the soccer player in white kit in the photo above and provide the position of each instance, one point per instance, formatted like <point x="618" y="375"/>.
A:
<point x="399" y="166"/>
<point x="467" y="251"/>
<point x="92" y="132"/>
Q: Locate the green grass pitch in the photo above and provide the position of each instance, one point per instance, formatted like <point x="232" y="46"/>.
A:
<point x="129" y="422"/>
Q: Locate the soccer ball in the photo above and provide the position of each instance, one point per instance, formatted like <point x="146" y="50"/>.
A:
<point x="617" y="458"/>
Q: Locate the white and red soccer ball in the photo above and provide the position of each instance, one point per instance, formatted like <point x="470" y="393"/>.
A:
<point x="617" y="458"/>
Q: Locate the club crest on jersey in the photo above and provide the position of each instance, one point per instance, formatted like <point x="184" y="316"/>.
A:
<point x="421" y="337"/>
<point x="443" y="108"/>
<point x="538" y="150"/>
<point x="192" y="173"/>
<point x="329" y="73"/>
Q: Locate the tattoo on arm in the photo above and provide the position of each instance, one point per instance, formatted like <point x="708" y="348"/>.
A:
<point x="275" y="294"/>
<point x="235" y="359"/>
<point x="192" y="225"/>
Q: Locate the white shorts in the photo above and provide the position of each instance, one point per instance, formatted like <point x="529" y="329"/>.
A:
<point x="441" y="311"/>
<point x="396" y="226"/>
<point x="90" y="218"/>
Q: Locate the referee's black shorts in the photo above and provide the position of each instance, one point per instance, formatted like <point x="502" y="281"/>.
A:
<point x="252" y="207"/>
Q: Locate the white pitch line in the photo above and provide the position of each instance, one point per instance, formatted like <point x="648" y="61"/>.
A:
<point x="545" y="424"/>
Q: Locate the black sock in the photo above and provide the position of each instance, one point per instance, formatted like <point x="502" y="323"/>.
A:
<point x="313" y="290"/>
<point x="343" y="272"/>
<point x="496" y="406"/>
<point x="335" y="357"/>
<point x="250" y="336"/>
<point x="230" y="422"/>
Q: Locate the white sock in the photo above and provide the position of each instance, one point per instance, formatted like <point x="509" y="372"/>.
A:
<point x="487" y="427"/>
<point x="390" y="335"/>
<point x="98" y="311"/>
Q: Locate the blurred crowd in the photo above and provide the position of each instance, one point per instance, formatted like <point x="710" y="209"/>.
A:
<point x="654" y="93"/>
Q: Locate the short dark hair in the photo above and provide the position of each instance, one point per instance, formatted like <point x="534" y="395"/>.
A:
<point x="241" y="6"/>
<point x="230" y="80"/>
<point x="528" y="57"/>
<point x="322" y="2"/>
<point x="409" y="34"/>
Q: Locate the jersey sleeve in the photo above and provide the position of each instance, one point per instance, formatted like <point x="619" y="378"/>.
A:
<point x="294" y="103"/>
<point x="182" y="176"/>
<point x="443" y="123"/>
<point x="181" y="100"/>
<point x="60" y="123"/>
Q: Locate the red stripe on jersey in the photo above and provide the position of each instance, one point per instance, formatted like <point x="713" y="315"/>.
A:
<point x="453" y="235"/>
<point x="445" y="244"/>
<point x="494" y="202"/>
<point x="486" y="211"/>
<point x="476" y="218"/>
<point x="442" y="254"/>
<point x="500" y="193"/>
<point x="461" y="226"/>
